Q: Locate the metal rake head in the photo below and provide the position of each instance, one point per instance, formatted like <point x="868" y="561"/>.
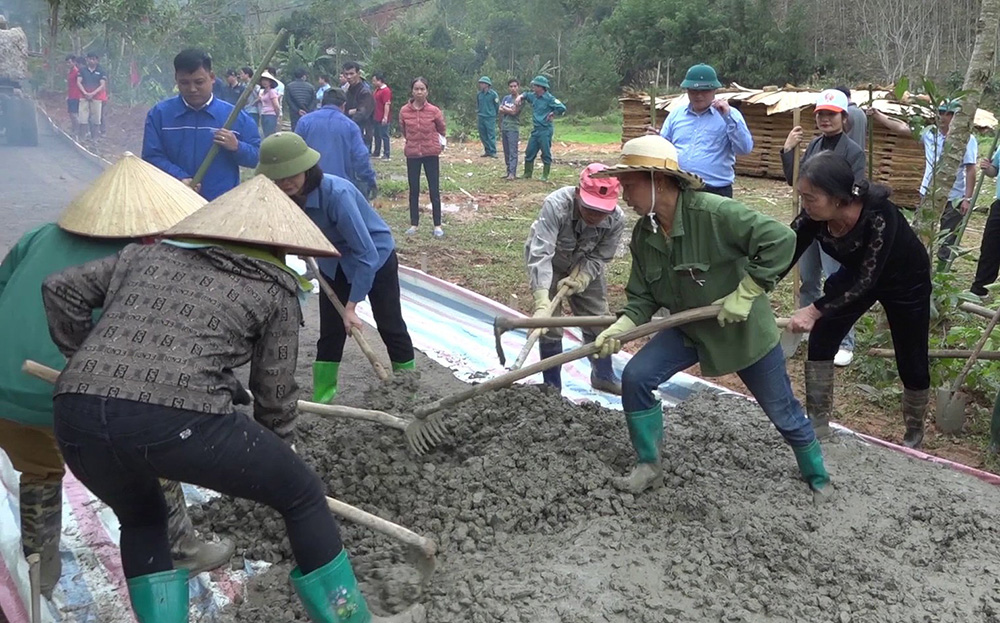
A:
<point x="424" y="434"/>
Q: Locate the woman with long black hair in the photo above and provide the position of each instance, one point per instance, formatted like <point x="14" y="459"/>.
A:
<point x="422" y="126"/>
<point x="881" y="260"/>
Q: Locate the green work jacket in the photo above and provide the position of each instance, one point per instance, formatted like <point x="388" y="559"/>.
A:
<point x="487" y="104"/>
<point x="24" y="332"/>
<point x="713" y="244"/>
<point x="541" y="107"/>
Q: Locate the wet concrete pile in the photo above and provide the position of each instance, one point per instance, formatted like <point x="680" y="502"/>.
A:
<point x="530" y="528"/>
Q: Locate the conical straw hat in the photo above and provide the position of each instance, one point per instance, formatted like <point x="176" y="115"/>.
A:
<point x="257" y="212"/>
<point x="131" y="199"/>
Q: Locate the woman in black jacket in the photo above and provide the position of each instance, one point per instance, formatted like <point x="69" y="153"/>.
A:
<point x="881" y="260"/>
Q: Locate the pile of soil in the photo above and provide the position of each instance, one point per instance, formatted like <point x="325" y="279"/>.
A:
<point x="530" y="529"/>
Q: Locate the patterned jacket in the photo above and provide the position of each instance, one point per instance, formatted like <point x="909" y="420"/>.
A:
<point x="421" y="129"/>
<point x="176" y="323"/>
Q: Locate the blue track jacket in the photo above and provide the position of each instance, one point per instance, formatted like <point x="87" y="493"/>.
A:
<point x="177" y="139"/>
<point x="338" y="140"/>
<point x="355" y="228"/>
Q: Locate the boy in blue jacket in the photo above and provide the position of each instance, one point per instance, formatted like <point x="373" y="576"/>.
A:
<point x="180" y="131"/>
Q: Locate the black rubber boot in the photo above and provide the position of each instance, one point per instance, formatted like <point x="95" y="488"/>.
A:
<point x="819" y="396"/>
<point x="550" y="348"/>
<point x="914" y="413"/>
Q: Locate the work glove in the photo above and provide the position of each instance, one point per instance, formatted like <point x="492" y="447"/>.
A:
<point x="736" y="306"/>
<point x="577" y="282"/>
<point x="542" y="303"/>
<point x="608" y="340"/>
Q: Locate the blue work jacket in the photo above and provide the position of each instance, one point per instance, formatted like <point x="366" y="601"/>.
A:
<point x="177" y="139"/>
<point x="364" y="240"/>
<point x="338" y="140"/>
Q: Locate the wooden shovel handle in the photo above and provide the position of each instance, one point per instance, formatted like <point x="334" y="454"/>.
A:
<point x="379" y="417"/>
<point x="360" y="339"/>
<point x="505" y="380"/>
<point x="384" y="526"/>
<point x="960" y="380"/>
<point x="40" y="371"/>
<point x="537" y="333"/>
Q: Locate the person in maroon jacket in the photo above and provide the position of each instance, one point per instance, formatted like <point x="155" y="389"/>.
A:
<point x="383" y="115"/>
<point x="422" y="126"/>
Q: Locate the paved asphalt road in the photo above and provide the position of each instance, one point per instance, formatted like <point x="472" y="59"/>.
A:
<point x="36" y="183"/>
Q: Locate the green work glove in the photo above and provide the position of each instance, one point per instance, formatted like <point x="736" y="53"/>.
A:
<point x="608" y="340"/>
<point x="542" y="303"/>
<point x="577" y="282"/>
<point x="736" y="306"/>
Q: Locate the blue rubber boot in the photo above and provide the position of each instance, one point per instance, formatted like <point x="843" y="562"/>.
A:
<point x="548" y="347"/>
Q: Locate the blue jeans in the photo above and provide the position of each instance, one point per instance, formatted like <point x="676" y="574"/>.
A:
<point x="510" y="139"/>
<point x="381" y="140"/>
<point x="666" y="354"/>
<point x="813" y="265"/>
<point x="268" y="124"/>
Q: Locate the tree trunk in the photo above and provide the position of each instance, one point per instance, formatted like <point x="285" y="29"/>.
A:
<point x="976" y="77"/>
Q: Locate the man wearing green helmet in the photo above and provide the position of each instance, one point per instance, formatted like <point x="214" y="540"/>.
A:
<point x="487" y="108"/>
<point x="367" y="266"/>
<point x="708" y="133"/>
<point x="544" y="108"/>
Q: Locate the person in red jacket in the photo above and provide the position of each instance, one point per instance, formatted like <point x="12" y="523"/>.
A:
<point x="422" y="126"/>
<point x="73" y="92"/>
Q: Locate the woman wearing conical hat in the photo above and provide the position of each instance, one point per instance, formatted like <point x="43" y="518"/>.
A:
<point x="129" y="201"/>
<point x="691" y="249"/>
<point x="368" y="267"/>
<point x="149" y="388"/>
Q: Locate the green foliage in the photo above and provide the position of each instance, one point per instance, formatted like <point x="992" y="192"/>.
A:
<point x="300" y="53"/>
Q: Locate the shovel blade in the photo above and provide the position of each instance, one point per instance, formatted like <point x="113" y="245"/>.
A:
<point x="950" y="415"/>
<point x="790" y="343"/>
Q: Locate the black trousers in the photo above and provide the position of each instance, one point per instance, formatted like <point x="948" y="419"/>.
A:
<point x="368" y="134"/>
<point x="989" y="252"/>
<point x="722" y="191"/>
<point x="950" y="220"/>
<point x="384" y="298"/>
<point x="907" y="305"/>
<point x="432" y="169"/>
<point x="120" y="448"/>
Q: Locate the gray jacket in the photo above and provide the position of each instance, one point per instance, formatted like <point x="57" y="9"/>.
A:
<point x="176" y="323"/>
<point x="845" y="147"/>
<point x="560" y="236"/>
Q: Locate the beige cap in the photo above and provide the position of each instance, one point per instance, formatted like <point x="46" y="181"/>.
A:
<point x="130" y="199"/>
<point x="257" y="212"/>
<point x="651" y="153"/>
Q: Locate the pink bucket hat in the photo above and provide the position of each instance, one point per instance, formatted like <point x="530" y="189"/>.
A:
<point x="599" y="194"/>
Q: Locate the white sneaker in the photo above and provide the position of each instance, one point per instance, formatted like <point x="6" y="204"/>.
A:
<point x="438" y="232"/>
<point x="843" y="358"/>
<point x="412" y="230"/>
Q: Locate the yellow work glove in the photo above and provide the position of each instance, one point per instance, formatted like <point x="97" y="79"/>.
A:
<point x="736" y="306"/>
<point x="608" y="340"/>
<point x="542" y="303"/>
<point x="577" y="282"/>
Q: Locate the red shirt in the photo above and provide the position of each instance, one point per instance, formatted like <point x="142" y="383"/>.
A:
<point x="383" y="96"/>
<point x="72" y="90"/>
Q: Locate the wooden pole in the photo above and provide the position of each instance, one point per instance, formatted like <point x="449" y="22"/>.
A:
<point x="796" y="120"/>
<point x="652" y="97"/>
<point x="941" y="353"/>
<point x="871" y="138"/>
<point x="360" y="339"/>
<point x="279" y="40"/>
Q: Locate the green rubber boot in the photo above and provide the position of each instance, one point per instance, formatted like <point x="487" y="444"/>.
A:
<point x="645" y="429"/>
<point x="325" y="381"/>
<point x="545" y="172"/>
<point x="405" y="365"/>
<point x="160" y="597"/>
<point x="810" y="460"/>
<point x="529" y="169"/>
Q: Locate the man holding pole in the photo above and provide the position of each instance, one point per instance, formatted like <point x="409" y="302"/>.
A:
<point x="180" y="131"/>
<point x="575" y="237"/>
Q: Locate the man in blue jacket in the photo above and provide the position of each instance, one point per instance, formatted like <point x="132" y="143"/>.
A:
<point x="181" y="130"/>
<point x="338" y="140"/>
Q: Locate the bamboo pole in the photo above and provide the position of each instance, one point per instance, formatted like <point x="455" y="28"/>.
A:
<point x="796" y="120"/>
<point x="941" y="353"/>
<point x="279" y="40"/>
<point x="652" y="97"/>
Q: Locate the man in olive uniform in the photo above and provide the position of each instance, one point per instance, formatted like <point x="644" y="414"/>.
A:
<point x="487" y="108"/>
<point x="573" y="240"/>
<point x="544" y="108"/>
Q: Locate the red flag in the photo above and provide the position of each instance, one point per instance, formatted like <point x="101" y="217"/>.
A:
<point x="134" y="77"/>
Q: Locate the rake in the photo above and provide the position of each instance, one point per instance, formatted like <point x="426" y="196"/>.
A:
<point x="428" y="429"/>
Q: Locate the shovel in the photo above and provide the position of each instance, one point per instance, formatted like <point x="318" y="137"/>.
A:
<point x="380" y="370"/>
<point x="537" y="333"/>
<point x="421" y="549"/>
<point x="950" y="415"/>
<point x="427" y="430"/>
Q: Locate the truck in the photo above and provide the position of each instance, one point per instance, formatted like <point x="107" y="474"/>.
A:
<point x="18" y="123"/>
